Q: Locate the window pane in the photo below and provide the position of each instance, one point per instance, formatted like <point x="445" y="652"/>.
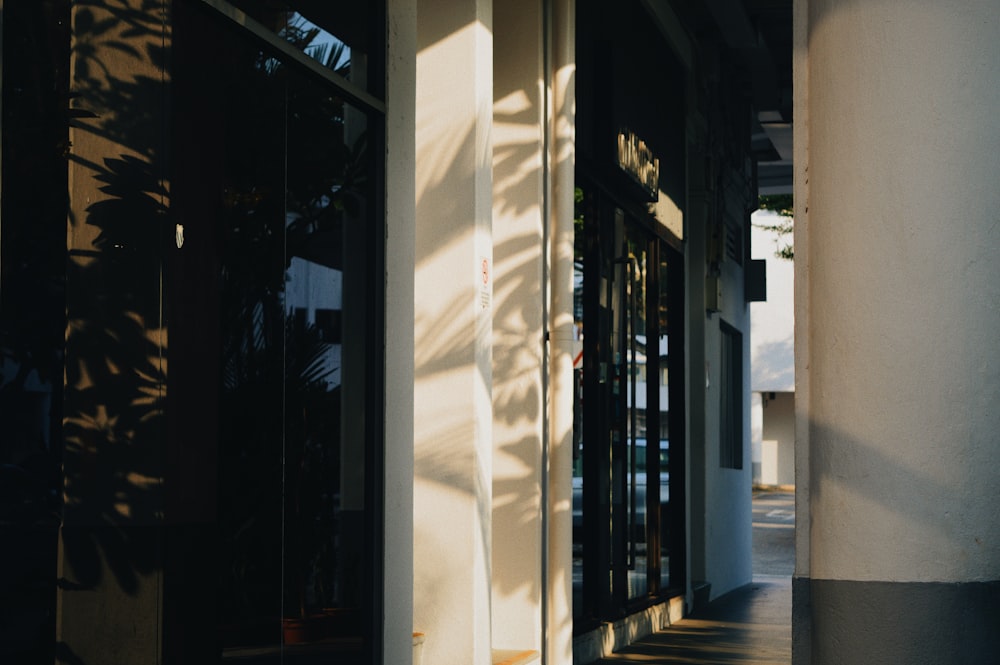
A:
<point x="250" y="147"/>
<point x="636" y="400"/>
<point x="32" y="320"/>
<point x="283" y="175"/>
<point x="731" y="399"/>
<point x="663" y="310"/>
<point x="338" y="35"/>
<point x="327" y="234"/>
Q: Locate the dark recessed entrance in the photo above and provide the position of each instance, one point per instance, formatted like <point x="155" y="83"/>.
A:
<point x="628" y="477"/>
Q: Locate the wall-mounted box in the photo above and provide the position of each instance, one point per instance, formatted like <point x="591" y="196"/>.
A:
<point x="755" y="280"/>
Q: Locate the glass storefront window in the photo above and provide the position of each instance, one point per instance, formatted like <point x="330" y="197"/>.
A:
<point x="224" y="316"/>
<point x="663" y="314"/>
<point x="33" y="187"/>
<point x="338" y="35"/>
<point x="622" y="512"/>
<point x="293" y="236"/>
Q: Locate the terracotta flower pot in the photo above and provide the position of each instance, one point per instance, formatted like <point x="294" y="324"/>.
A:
<point x="301" y="631"/>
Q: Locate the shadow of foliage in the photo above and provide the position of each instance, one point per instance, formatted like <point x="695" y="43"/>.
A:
<point x="36" y="111"/>
<point x="87" y="317"/>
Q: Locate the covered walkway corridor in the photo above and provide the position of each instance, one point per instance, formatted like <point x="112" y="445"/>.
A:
<point x="749" y="626"/>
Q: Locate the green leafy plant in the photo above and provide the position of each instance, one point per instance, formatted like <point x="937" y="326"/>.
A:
<point x="783" y="206"/>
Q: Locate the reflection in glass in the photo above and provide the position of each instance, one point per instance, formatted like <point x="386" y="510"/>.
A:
<point x="333" y="34"/>
<point x="293" y="239"/>
<point x="637" y="482"/>
<point x="621" y="439"/>
<point x="325" y="215"/>
<point x="663" y="310"/>
<point x="317" y="43"/>
<point x="578" y="425"/>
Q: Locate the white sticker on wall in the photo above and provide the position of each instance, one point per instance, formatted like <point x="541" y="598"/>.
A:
<point x="484" y="278"/>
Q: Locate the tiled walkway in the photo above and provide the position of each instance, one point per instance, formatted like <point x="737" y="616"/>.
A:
<point x="749" y="626"/>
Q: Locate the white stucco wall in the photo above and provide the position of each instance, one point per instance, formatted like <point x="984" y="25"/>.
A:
<point x="772" y="322"/>
<point x="728" y="531"/>
<point x="518" y="387"/>
<point x="777" y="438"/>
<point x="772" y="357"/>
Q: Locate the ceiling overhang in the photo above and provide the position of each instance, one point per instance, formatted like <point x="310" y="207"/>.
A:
<point x="759" y="34"/>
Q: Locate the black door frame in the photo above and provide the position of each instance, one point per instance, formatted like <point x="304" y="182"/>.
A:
<point x="607" y="549"/>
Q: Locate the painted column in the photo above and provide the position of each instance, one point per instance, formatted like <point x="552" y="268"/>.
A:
<point x="900" y="319"/>
<point x="699" y="211"/>
<point x="397" y="644"/>
<point x="518" y="333"/>
<point x="452" y="537"/>
<point x="562" y="340"/>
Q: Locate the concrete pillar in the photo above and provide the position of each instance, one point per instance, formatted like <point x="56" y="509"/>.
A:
<point x="899" y="378"/>
<point x="397" y="645"/>
<point x="518" y="324"/>
<point x="562" y="340"/>
<point x="453" y="331"/>
<point x="696" y="368"/>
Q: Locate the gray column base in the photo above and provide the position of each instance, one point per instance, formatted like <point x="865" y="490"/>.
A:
<point x="844" y="621"/>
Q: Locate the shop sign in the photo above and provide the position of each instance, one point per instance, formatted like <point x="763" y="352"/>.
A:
<point x="638" y="162"/>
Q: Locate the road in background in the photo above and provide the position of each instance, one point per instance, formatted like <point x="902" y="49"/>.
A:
<point x="773" y="533"/>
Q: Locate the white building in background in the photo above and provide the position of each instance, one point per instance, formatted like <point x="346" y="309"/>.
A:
<point x="772" y="360"/>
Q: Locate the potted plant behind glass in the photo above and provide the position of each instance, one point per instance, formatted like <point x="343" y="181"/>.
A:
<point x="312" y="424"/>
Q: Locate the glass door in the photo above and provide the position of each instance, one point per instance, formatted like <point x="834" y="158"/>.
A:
<point x="276" y="311"/>
<point x="628" y="417"/>
<point x="621" y="509"/>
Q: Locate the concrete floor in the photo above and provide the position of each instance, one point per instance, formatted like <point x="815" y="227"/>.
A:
<point x="749" y="626"/>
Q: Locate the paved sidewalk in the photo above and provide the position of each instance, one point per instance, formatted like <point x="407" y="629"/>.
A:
<point x="749" y="626"/>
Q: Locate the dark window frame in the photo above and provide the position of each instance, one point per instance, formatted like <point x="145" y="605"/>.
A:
<point x="730" y="397"/>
